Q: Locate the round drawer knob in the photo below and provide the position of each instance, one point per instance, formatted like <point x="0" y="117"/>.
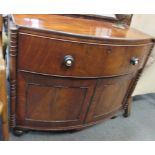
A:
<point x="134" y="61"/>
<point x="68" y="60"/>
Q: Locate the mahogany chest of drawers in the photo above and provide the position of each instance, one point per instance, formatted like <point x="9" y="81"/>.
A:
<point x="69" y="73"/>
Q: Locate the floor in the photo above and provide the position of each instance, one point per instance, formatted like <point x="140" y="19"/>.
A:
<point x="139" y="126"/>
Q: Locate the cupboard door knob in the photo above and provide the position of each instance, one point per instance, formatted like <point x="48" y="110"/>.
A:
<point x="134" y="61"/>
<point x="68" y="60"/>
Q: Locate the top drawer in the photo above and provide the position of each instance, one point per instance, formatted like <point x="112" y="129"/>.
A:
<point x="48" y="56"/>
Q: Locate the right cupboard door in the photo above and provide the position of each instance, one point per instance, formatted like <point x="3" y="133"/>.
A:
<point x="108" y="97"/>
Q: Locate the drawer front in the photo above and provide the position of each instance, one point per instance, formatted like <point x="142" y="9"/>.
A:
<point x="65" y="58"/>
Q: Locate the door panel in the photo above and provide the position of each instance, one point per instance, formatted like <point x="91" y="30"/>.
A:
<point x="53" y="103"/>
<point x="108" y="97"/>
<point x="47" y="101"/>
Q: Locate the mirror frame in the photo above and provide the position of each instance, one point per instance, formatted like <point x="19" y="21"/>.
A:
<point x="119" y="18"/>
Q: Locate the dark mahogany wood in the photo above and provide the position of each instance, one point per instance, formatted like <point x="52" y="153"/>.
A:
<point x="102" y="103"/>
<point x="84" y="55"/>
<point x="54" y="102"/>
<point x="105" y="63"/>
<point x="79" y="28"/>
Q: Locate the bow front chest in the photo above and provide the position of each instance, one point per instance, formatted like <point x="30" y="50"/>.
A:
<point x="69" y="72"/>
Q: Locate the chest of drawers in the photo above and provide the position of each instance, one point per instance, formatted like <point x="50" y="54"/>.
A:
<point x="69" y="73"/>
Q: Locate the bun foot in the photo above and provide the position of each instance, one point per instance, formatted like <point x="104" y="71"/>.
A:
<point x="18" y="132"/>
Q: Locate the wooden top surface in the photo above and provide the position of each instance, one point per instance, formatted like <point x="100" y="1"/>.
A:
<point x="78" y="26"/>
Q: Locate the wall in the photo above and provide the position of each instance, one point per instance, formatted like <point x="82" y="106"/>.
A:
<point x="146" y="84"/>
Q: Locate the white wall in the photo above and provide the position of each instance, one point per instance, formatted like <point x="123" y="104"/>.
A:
<point x="146" y="84"/>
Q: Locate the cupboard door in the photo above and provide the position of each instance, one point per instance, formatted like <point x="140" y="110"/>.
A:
<point x="52" y="102"/>
<point x="108" y="97"/>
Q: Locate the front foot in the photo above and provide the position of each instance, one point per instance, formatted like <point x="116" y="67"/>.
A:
<point x="126" y="113"/>
<point x="18" y="132"/>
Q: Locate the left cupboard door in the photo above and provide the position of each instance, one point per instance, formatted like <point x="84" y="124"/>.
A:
<point x="45" y="102"/>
